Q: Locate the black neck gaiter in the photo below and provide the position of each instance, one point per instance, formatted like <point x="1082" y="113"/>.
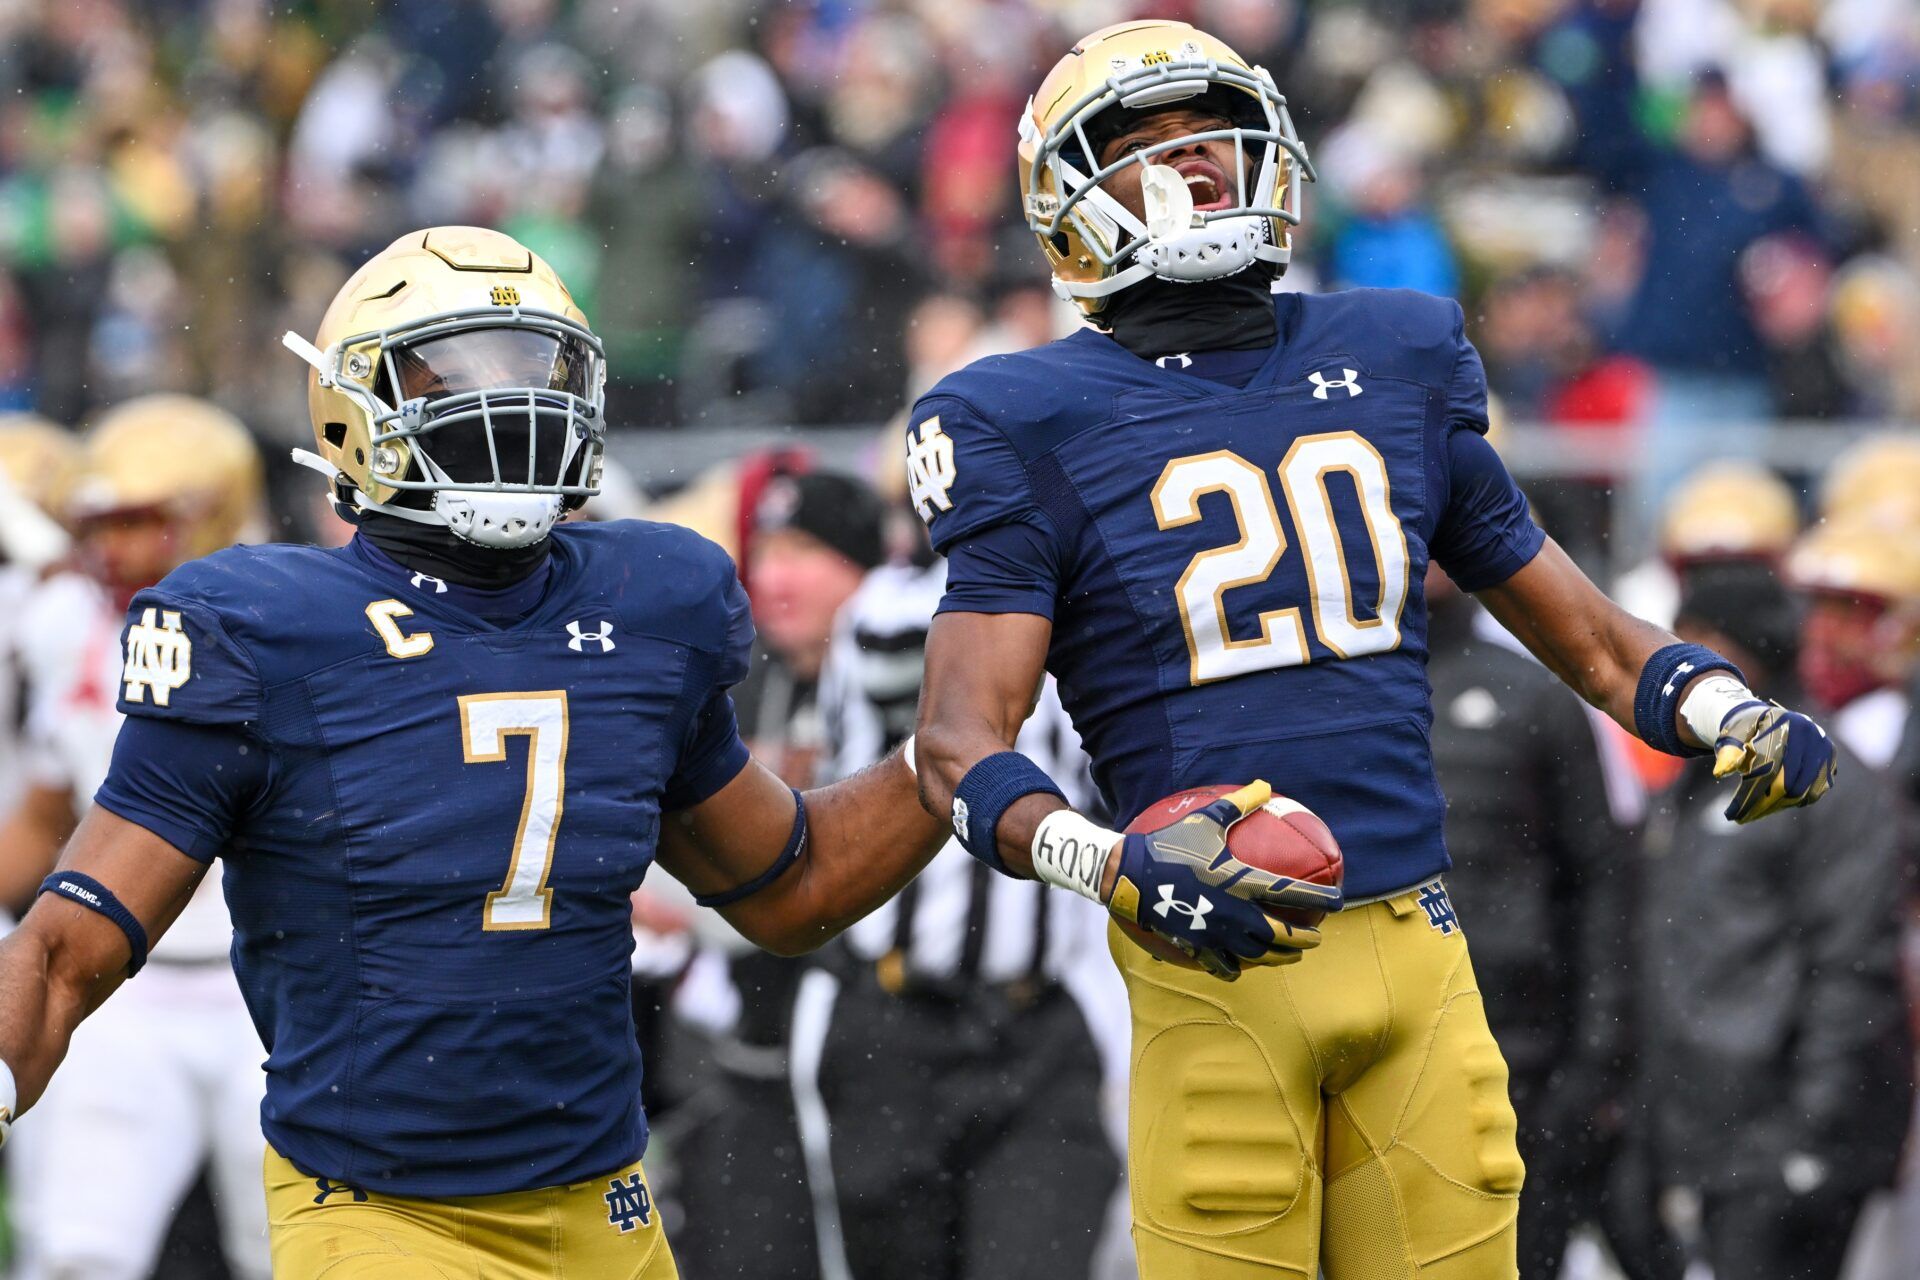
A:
<point x="1161" y="317"/>
<point x="440" y="553"/>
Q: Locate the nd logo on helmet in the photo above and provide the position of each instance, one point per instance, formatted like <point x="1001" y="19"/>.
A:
<point x="159" y="656"/>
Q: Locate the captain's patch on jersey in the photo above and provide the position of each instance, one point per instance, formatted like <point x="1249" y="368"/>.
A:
<point x="159" y="656"/>
<point x="930" y="470"/>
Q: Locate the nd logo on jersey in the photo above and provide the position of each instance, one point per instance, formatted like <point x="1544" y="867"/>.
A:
<point x="930" y="470"/>
<point x="159" y="656"/>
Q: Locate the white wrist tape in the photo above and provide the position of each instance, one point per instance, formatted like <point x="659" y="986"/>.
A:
<point x="1708" y="704"/>
<point x="1071" y="851"/>
<point x="9" y="1100"/>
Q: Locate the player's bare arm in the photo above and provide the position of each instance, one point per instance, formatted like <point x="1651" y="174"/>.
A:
<point x="982" y="673"/>
<point x="69" y="955"/>
<point x="982" y="670"/>
<point x="790" y="873"/>
<point x="1679" y="697"/>
<point x="30" y="840"/>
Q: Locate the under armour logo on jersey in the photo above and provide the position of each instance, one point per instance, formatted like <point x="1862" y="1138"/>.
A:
<point x="629" y="1204"/>
<point x="422" y="579"/>
<point x="1180" y="361"/>
<point x="337" y="1189"/>
<point x="930" y="470"/>
<point x="1349" y="381"/>
<point x="603" y="637"/>
<point x="159" y="656"/>
<point x="1195" y="911"/>
<point x="1674" y="683"/>
<point x="1439" y="908"/>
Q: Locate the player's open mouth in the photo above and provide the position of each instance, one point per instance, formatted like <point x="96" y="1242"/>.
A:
<point x="1208" y="183"/>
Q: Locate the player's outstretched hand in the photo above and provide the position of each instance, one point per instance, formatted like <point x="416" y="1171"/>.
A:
<point x="1180" y="882"/>
<point x="1783" y="758"/>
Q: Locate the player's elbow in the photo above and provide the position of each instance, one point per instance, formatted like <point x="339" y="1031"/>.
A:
<point x="944" y="748"/>
<point x="788" y="937"/>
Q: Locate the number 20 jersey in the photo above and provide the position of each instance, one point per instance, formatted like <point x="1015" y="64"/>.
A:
<point x="1234" y="574"/>
<point x="430" y="858"/>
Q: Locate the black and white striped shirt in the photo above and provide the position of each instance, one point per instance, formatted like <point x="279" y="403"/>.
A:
<point x="958" y="920"/>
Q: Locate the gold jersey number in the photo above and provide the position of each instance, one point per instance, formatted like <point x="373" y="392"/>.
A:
<point x="1201" y="591"/>
<point x="487" y="720"/>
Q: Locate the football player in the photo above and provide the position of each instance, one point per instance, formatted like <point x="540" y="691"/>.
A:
<point x="159" y="480"/>
<point x="435" y="763"/>
<point x="37" y="458"/>
<point x="1209" y="516"/>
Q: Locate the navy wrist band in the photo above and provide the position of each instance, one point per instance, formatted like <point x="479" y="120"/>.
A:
<point x="988" y="790"/>
<point x="94" y="896"/>
<point x="1656" y="703"/>
<point x="796" y="846"/>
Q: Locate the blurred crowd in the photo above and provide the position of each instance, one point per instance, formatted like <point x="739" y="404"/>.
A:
<point x="1672" y="216"/>
<point x="1655" y="210"/>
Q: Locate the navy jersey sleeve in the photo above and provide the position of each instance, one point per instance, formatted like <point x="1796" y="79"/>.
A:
<point x="186" y="783"/>
<point x="713" y="753"/>
<point x="180" y="662"/>
<point x="1010" y="568"/>
<point x="1486" y="533"/>
<point x="963" y="474"/>
<point x="1467" y="390"/>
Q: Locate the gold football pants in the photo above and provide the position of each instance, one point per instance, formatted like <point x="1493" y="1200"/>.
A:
<point x="605" y="1227"/>
<point x="1348" y="1112"/>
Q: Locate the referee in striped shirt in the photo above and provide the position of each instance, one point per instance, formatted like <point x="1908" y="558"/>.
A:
<point x="946" y="1075"/>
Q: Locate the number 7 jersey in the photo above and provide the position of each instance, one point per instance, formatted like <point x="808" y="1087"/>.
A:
<point x="431" y="825"/>
<point x="1234" y="574"/>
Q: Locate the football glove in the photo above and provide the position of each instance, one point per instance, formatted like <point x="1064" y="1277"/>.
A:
<point x="1181" y="883"/>
<point x="1783" y="758"/>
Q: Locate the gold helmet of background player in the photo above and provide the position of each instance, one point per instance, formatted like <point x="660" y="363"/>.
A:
<point x="1094" y="245"/>
<point x="39" y="459"/>
<point x="1729" y="510"/>
<point x="1878" y="478"/>
<point x="1859" y="556"/>
<point x="192" y="460"/>
<point x="455" y="383"/>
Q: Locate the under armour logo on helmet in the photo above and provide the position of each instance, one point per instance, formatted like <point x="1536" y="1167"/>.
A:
<point x="420" y="580"/>
<point x="1195" y="911"/>
<point x="1349" y="381"/>
<point x="580" y="636"/>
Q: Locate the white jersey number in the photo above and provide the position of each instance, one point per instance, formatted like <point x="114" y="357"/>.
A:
<point x="1214" y="654"/>
<point x="487" y="720"/>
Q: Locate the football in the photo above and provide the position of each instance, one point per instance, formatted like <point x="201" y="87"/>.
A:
<point x="1282" y="836"/>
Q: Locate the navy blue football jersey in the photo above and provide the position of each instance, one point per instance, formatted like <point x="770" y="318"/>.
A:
<point x="431" y="825"/>
<point x="1234" y="572"/>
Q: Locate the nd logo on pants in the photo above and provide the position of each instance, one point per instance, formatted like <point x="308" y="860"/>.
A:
<point x="603" y="1227"/>
<point x="1348" y="1112"/>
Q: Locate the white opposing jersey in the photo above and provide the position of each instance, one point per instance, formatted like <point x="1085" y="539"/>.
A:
<point x="68" y="647"/>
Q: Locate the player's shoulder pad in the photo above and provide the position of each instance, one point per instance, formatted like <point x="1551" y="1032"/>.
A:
<point x="1029" y="395"/>
<point x="971" y="440"/>
<point x="666" y="580"/>
<point x="205" y="643"/>
<point x="1390" y="332"/>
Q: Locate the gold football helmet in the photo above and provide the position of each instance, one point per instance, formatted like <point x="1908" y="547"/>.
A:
<point x="1877" y="478"/>
<point x="191" y="460"/>
<point x="447" y="359"/>
<point x="1094" y="245"/>
<point x="1859" y="556"/>
<point x="1729" y="510"/>
<point x="38" y="458"/>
